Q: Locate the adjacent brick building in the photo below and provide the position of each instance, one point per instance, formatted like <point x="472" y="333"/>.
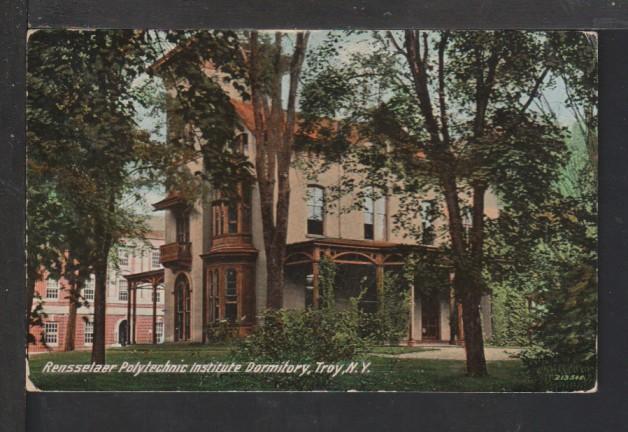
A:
<point x="134" y="256"/>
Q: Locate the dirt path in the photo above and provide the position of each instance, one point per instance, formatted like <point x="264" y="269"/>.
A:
<point x="457" y="353"/>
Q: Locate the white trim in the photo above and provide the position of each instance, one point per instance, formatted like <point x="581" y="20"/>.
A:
<point x="56" y="333"/>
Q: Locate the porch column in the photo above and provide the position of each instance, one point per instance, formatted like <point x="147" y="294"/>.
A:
<point x="379" y="278"/>
<point x="453" y="318"/>
<point x="127" y="330"/>
<point x="453" y="312"/>
<point x="316" y="258"/>
<point x="411" y="317"/>
<point x="134" y="314"/>
<point x="154" y="312"/>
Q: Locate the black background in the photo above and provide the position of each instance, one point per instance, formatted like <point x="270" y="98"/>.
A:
<point x="606" y="410"/>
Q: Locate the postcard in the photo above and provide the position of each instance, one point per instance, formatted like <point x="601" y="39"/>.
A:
<point x="292" y="210"/>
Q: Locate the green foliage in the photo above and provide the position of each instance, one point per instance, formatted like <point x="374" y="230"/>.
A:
<point x="511" y="314"/>
<point x="389" y="324"/>
<point x="304" y="336"/>
<point x="221" y="332"/>
<point x="548" y="256"/>
<point x="326" y="282"/>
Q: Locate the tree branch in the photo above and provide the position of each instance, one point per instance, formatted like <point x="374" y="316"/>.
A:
<point x="534" y="91"/>
<point x="441" y="87"/>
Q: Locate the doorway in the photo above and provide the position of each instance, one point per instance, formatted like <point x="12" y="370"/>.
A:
<point x="181" y="309"/>
<point x="122" y="330"/>
<point x="430" y="318"/>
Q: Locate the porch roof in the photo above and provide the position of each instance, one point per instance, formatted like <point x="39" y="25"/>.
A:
<point x="341" y="250"/>
<point x="173" y="199"/>
<point x="148" y="277"/>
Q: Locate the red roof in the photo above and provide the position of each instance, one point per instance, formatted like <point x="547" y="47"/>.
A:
<point x="245" y="112"/>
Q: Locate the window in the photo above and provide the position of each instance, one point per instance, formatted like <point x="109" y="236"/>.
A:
<point x="231" y="295"/>
<point x="315" y="209"/>
<point x="155" y="258"/>
<point x="232" y="213"/>
<point x="88" y="333"/>
<point x="89" y="290"/>
<point x="123" y="290"/>
<point x="52" y="289"/>
<point x="428" y="215"/>
<point x="182" y="307"/>
<point x="467" y="220"/>
<point x="51" y="333"/>
<point x="374" y="217"/>
<point x="214" y="300"/>
<point x="183" y="227"/>
<point x="159" y="331"/>
<point x="218" y="219"/>
<point x="124" y="257"/>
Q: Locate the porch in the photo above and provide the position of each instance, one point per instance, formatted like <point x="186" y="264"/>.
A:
<point x="362" y="266"/>
<point x="152" y="280"/>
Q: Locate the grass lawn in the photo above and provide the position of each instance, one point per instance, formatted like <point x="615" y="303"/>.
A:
<point x="397" y="349"/>
<point x="386" y="373"/>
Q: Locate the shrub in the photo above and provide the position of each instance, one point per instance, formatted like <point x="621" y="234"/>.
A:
<point x="390" y="323"/>
<point x="221" y="332"/>
<point x="303" y="336"/>
<point x="306" y="336"/>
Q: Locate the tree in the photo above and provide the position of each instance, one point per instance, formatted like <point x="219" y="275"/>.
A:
<point x="255" y="65"/>
<point x="452" y="114"/>
<point x="46" y="222"/>
<point x="84" y="141"/>
<point x="274" y="140"/>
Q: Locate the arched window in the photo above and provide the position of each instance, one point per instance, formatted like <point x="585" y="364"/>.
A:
<point x="315" y="209"/>
<point x="182" y="307"/>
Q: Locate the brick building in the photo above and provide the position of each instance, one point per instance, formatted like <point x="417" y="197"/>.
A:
<point x="133" y="256"/>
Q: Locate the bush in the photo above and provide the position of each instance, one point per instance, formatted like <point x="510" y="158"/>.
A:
<point x="511" y="314"/>
<point x="221" y="332"/>
<point x="304" y="336"/>
<point x="390" y="323"/>
<point x="549" y="372"/>
<point x="327" y="334"/>
<point x="563" y="355"/>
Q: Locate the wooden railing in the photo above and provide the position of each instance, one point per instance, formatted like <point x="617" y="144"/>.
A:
<point x="176" y="254"/>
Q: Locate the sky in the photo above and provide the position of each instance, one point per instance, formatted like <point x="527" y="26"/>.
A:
<point x="356" y="43"/>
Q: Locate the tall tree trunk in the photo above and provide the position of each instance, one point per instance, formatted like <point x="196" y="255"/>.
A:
<point x="274" y="139"/>
<point x="70" y="330"/>
<point x="467" y="283"/>
<point x="274" y="279"/>
<point x="473" y="338"/>
<point x="471" y="321"/>
<point x="466" y="262"/>
<point x="100" y="311"/>
<point x="30" y="295"/>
